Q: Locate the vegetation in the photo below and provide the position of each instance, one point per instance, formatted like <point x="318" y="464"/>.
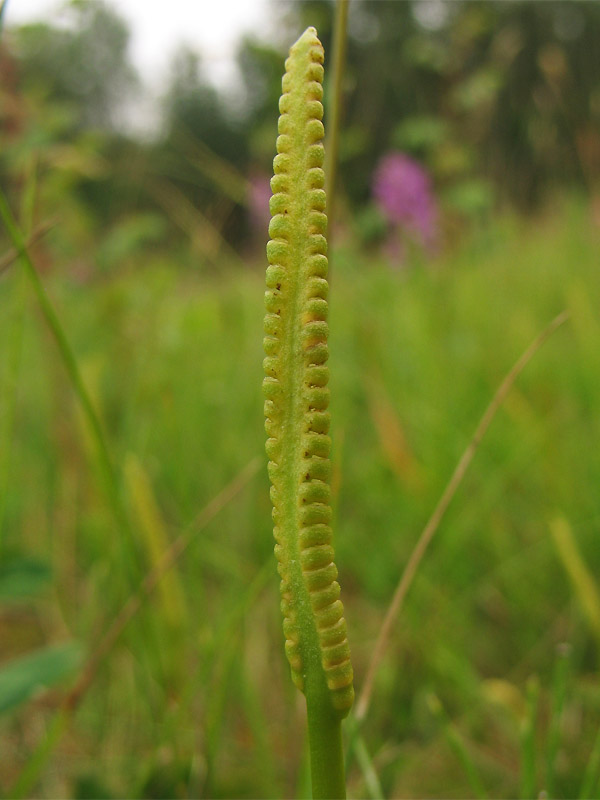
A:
<point x="119" y="677"/>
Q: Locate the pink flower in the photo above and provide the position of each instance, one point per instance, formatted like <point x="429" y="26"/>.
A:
<point x="402" y="190"/>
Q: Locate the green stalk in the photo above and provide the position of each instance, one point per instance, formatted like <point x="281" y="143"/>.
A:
<point x="334" y="105"/>
<point x="357" y="747"/>
<point x="10" y="393"/>
<point x="68" y="358"/>
<point x="458" y="746"/>
<point x="297" y="420"/>
<point x="559" y="692"/>
<point x="325" y="744"/>
<point x="528" y="753"/>
<point x="13" y="360"/>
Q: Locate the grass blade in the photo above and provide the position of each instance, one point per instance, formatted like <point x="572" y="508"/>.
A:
<point x="156" y="538"/>
<point x="584" y="585"/>
<point x="15" y="341"/>
<point x="559" y="691"/>
<point x="528" y="755"/>
<point x="457" y="744"/>
<point x="432" y="525"/>
<point x="335" y="104"/>
<point x="70" y="363"/>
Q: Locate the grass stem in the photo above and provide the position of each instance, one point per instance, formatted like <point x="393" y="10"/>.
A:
<point x="457" y="744"/>
<point x="559" y="692"/>
<point x="528" y="753"/>
<point x="433" y="523"/>
<point x="335" y="105"/>
<point x="68" y="358"/>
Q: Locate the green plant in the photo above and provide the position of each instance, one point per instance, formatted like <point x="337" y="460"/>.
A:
<point x="297" y="420"/>
<point x="297" y="424"/>
<point x="193" y="715"/>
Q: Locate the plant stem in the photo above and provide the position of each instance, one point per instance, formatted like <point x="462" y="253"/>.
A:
<point x="297" y="420"/>
<point x="433" y="523"/>
<point x="12" y="255"/>
<point x="528" y="752"/>
<point x="325" y="742"/>
<point x="559" y="691"/>
<point x="15" y="342"/>
<point x="70" y="363"/>
<point x="365" y="762"/>
<point x="335" y="103"/>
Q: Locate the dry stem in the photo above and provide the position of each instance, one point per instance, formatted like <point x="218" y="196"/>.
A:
<point x="426" y="536"/>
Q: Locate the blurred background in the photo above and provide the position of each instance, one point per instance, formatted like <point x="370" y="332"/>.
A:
<point x="135" y="153"/>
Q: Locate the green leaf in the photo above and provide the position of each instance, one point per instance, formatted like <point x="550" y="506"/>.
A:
<point x="23" y="577"/>
<point x="22" y="677"/>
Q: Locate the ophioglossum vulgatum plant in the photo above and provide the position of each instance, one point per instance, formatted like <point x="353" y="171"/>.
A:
<point x="297" y="419"/>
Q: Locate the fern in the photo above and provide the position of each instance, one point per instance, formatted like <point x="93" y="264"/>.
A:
<point x="297" y="398"/>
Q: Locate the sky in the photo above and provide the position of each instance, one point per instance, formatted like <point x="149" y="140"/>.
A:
<point x="211" y="27"/>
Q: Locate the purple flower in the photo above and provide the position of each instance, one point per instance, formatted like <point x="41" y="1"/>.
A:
<point x="402" y="190"/>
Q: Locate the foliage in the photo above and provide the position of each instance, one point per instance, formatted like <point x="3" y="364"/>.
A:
<point x="506" y="91"/>
<point x="490" y="682"/>
<point x="492" y="600"/>
<point x="81" y="64"/>
<point x="498" y="101"/>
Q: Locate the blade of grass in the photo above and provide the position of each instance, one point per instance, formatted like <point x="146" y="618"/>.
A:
<point x="559" y="691"/>
<point x="365" y="762"/>
<point x="71" y="702"/>
<point x="335" y="105"/>
<point x="214" y="717"/>
<point x="68" y="358"/>
<point x="38" y="233"/>
<point x="433" y="523"/>
<point x="584" y="585"/>
<point x="528" y="756"/>
<point x="458" y="746"/>
<point x="15" y="342"/>
<point x="392" y="438"/>
<point x="356" y="745"/>
<point x="154" y="534"/>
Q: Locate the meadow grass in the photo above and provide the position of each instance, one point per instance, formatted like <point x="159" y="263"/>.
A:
<point x="172" y="363"/>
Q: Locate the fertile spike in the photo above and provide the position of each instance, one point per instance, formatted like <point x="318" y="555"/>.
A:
<point x="295" y="388"/>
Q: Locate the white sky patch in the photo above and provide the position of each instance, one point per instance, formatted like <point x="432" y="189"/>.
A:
<point x="211" y="27"/>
